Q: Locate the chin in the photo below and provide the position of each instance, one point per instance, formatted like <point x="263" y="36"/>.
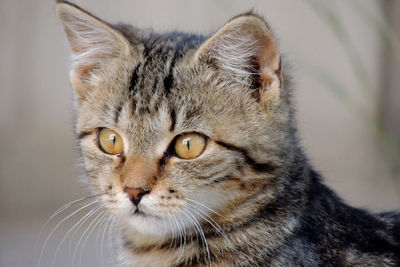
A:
<point x="156" y="226"/>
<point x="145" y="224"/>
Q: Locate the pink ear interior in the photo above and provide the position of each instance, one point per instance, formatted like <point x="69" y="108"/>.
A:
<point x="243" y="46"/>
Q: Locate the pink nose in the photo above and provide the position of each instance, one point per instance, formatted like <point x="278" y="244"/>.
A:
<point x="135" y="194"/>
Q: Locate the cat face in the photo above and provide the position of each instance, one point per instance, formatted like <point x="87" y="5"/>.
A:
<point x="177" y="130"/>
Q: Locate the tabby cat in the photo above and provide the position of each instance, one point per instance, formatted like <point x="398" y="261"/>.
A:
<point x="191" y="142"/>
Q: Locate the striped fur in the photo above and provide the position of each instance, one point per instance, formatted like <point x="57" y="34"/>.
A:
<point x="251" y="198"/>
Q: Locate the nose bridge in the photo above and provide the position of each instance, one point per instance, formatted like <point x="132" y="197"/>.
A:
<point x="139" y="172"/>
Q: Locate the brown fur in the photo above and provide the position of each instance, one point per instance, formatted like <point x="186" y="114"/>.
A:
<point x="244" y="199"/>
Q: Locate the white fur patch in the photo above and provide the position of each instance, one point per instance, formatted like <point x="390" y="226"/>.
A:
<point x="235" y="51"/>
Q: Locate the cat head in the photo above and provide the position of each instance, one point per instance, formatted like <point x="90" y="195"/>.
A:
<point x="176" y="128"/>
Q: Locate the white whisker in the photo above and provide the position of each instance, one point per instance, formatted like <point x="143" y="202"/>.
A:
<point x="173" y="231"/>
<point x="59" y="210"/>
<point x="109" y="237"/>
<point x="56" y="227"/>
<point x="213" y="223"/>
<point x="208" y="208"/>
<point x="102" y="221"/>
<point x="198" y="226"/>
<point x="87" y="232"/>
<point x="81" y="221"/>
<point x="113" y="246"/>
<point x="182" y="241"/>
<point x="107" y="224"/>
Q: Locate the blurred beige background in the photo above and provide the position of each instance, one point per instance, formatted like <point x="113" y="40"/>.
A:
<point x="38" y="157"/>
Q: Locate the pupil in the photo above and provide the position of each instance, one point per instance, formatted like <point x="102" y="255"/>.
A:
<point x="113" y="139"/>
<point x="188" y="144"/>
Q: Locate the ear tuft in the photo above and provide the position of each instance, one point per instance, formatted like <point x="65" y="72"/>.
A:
<point x="93" y="43"/>
<point x="244" y="50"/>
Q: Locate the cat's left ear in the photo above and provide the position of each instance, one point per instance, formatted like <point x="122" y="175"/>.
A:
<point x="244" y="50"/>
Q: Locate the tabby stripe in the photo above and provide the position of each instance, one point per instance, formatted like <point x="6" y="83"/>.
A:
<point x="134" y="79"/>
<point x="155" y="84"/>
<point x="141" y="81"/>
<point x="258" y="167"/>
<point x="172" y="115"/>
<point x="201" y="259"/>
<point x="83" y="134"/>
<point x="117" y="114"/>
<point x="220" y="179"/>
<point x="148" y="56"/>
<point x="166" y="246"/>
<point x="133" y="106"/>
<point x="212" y="175"/>
<point x="169" y="79"/>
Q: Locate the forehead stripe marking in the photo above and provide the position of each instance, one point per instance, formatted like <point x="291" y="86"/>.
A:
<point x="172" y="115"/>
<point x="134" y="78"/>
<point x="117" y="114"/>
<point x="169" y="79"/>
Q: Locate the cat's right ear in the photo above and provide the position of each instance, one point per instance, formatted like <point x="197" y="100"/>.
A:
<point x="94" y="45"/>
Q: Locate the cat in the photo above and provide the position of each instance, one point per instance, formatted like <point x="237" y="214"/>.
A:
<point x="191" y="143"/>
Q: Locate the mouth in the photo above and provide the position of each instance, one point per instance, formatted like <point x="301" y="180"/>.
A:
<point x="141" y="214"/>
<point x="138" y="212"/>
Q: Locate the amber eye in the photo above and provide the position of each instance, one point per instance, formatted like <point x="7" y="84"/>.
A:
<point x="110" y="142"/>
<point x="190" y="145"/>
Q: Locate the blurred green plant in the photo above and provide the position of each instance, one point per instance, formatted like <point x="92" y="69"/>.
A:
<point x="389" y="143"/>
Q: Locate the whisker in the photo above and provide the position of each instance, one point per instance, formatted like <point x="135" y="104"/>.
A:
<point x="82" y="220"/>
<point x="201" y="204"/>
<point x="102" y="220"/>
<point x="173" y="231"/>
<point x="56" y="227"/>
<point x="79" y="240"/>
<point x="87" y="232"/>
<point x="113" y="245"/>
<point x="177" y="237"/>
<point x="182" y="240"/>
<point x="214" y="224"/>
<point x="179" y="233"/>
<point x="109" y="238"/>
<point x="198" y="226"/>
<point x="61" y="209"/>
<point x="195" y="228"/>
<point x="203" y="236"/>
<point x="165" y="225"/>
<point x="107" y="224"/>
